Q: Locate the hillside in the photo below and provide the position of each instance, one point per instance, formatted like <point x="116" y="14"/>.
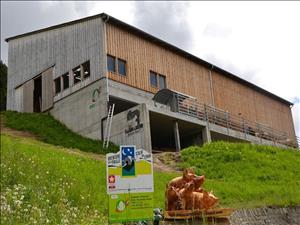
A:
<point x="54" y="183"/>
<point x="51" y="131"/>
<point x="247" y="175"/>
<point x="41" y="182"/>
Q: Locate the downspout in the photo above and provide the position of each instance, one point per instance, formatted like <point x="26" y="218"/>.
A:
<point x="105" y="49"/>
<point x="211" y="87"/>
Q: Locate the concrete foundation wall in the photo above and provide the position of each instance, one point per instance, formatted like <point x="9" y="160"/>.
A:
<point x="83" y="110"/>
<point x="129" y="93"/>
<point x="132" y="127"/>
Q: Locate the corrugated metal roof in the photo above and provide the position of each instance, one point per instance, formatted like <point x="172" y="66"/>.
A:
<point x="109" y="19"/>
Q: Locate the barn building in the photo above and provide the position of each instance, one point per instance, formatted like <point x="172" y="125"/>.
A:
<point x="105" y="79"/>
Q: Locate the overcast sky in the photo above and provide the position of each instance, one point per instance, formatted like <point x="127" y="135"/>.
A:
<point x="258" y="41"/>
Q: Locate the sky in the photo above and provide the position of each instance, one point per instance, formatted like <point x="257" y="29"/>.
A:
<point x="258" y="41"/>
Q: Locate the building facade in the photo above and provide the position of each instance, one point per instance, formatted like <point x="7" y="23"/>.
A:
<point x="164" y="98"/>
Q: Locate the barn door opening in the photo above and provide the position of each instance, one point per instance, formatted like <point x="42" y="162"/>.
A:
<point x="37" y="94"/>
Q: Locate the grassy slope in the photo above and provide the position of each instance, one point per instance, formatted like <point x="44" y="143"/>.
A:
<point x="41" y="182"/>
<point x="248" y="175"/>
<point x="53" y="132"/>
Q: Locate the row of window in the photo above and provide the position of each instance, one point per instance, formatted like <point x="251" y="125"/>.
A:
<point x="79" y="73"/>
<point x="116" y="65"/>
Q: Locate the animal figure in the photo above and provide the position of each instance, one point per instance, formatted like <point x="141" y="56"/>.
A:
<point x="198" y="181"/>
<point x="209" y="200"/>
<point x="172" y="198"/>
<point x="191" y="200"/>
<point x="186" y="193"/>
<point x="186" y="196"/>
<point x="179" y="182"/>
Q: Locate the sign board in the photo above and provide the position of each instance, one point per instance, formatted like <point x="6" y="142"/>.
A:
<point x="129" y="184"/>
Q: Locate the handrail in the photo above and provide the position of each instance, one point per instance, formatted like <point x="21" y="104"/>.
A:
<point x="192" y="107"/>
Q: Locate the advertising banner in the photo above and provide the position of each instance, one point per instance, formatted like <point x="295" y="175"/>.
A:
<point x="130" y="207"/>
<point x="129" y="184"/>
<point x="129" y="170"/>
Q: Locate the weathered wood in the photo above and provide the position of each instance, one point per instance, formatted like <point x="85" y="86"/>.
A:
<point x="47" y="89"/>
<point x="28" y="96"/>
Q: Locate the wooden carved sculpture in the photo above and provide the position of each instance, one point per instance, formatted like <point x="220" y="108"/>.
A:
<point x="185" y="193"/>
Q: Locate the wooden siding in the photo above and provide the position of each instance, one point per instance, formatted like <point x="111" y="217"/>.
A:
<point x="250" y="104"/>
<point x="142" y="56"/>
<point x="65" y="47"/>
<point x="28" y="96"/>
<point x="188" y="77"/>
<point x="47" y="89"/>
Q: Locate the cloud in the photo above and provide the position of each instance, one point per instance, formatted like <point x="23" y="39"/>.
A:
<point x="166" y="20"/>
<point x="215" y="30"/>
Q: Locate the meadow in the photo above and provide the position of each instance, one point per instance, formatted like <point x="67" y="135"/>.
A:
<point x="56" y="181"/>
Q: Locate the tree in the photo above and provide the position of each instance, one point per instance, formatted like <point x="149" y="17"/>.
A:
<point x="3" y="85"/>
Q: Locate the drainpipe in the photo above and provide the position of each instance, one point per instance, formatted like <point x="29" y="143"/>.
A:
<point x="105" y="49"/>
<point x="211" y="87"/>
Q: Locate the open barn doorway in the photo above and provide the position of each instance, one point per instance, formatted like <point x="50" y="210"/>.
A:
<point x="37" y="94"/>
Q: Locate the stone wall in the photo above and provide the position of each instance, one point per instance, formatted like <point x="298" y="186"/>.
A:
<point x="266" y="216"/>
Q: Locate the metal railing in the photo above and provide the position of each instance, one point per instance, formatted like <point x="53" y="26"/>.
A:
<point x="191" y="107"/>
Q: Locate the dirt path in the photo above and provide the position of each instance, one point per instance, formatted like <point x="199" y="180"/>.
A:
<point x="161" y="161"/>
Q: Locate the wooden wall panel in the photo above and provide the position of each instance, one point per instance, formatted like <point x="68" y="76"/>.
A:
<point x="47" y="89"/>
<point x="188" y="77"/>
<point x="252" y="105"/>
<point x="142" y="56"/>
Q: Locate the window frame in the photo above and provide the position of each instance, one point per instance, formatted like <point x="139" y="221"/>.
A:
<point x="150" y="77"/>
<point x="87" y="63"/>
<point x="125" y="66"/>
<point x="114" y="64"/>
<point x="159" y="83"/>
<point x="75" y="71"/>
<point x="57" y="88"/>
<point x="67" y="74"/>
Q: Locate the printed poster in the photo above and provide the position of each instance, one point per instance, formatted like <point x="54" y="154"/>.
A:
<point x="130" y="184"/>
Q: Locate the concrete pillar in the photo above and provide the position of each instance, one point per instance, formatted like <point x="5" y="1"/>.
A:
<point x="177" y="136"/>
<point x="206" y="135"/>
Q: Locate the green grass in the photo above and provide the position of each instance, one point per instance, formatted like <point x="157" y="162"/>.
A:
<point x="42" y="183"/>
<point x="246" y="175"/>
<point x="51" y="131"/>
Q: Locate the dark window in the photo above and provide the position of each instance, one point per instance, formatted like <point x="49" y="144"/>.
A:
<point x="57" y="85"/>
<point x="65" y="78"/>
<point x="162" y="82"/>
<point x="111" y="63"/>
<point x="86" y="69"/>
<point x="153" y="79"/>
<point x="77" y="74"/>
<point x="122" y="67"/>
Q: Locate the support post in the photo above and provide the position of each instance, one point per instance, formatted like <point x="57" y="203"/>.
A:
<point x="206" y="135"/>
<point x="177" y="136"/>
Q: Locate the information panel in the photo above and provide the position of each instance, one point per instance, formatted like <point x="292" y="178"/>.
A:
<point x="130" y="184"/>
